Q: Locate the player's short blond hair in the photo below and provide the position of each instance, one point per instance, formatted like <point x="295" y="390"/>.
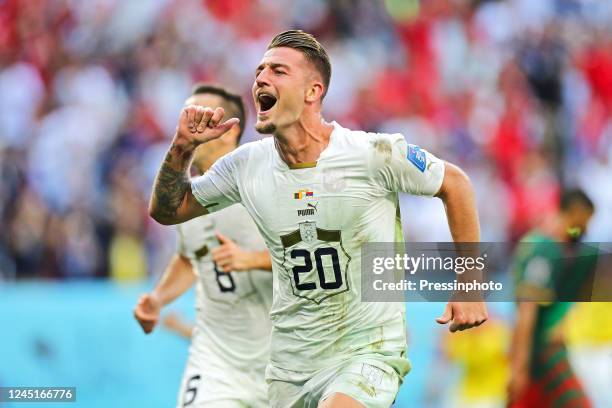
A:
<point x="310" y="47"/>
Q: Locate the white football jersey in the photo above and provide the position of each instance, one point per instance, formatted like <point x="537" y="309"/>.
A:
<point x="232" y="309"/>
<point x="315" y="218"/>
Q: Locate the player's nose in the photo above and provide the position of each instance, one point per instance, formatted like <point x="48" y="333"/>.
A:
<point x="263" y="78"/>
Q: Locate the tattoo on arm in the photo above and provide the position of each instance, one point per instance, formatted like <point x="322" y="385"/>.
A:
<point x="171" y="183"/>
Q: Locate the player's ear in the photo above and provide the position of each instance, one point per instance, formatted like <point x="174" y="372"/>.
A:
<point x="314" y="92"/>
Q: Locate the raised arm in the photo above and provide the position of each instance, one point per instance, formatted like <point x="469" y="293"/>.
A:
<point x="458" y="197"/>
<point x="171" y="200"/>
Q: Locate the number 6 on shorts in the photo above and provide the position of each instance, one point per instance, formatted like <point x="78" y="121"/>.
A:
<point x="191" y="390"/>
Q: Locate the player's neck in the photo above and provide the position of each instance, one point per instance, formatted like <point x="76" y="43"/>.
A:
<point x="303" y="141"/>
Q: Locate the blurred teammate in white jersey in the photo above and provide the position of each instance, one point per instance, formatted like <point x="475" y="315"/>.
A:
<point x="318" y="192"/>
<point x="230" y="339"/>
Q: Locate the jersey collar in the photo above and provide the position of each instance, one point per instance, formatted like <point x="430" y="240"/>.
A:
<point x="308" y="165"/>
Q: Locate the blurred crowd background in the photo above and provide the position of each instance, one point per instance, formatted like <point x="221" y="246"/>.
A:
<point x="517" y="92"/>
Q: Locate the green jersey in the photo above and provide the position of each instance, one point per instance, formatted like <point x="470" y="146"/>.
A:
<point x="553" y="274"/>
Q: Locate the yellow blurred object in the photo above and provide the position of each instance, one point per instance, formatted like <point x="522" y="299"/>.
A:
<point x="127" y="259"/>
<point x="481" y="353"/>
<point x="403" y="10"/>
<point x="589" y="324"/>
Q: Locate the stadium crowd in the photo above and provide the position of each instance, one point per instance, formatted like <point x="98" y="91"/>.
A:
<point x="518" y="92"/>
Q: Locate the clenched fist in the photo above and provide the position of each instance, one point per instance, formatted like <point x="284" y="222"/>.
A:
<point x="463" y="315"/>
<point x="199" y="125"/>
<point x="147" y="312"/>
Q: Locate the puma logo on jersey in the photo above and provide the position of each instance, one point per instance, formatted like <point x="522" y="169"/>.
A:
<point x="311" y="210"/>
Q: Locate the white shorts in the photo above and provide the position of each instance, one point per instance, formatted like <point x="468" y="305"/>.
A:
<point x="215" y="386"/>
<point x="369" y="381"/>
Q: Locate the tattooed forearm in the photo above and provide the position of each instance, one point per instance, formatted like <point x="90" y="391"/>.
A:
<point x="171" y="184"/>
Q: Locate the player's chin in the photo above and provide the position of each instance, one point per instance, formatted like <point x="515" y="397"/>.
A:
<point x="265" y="127"/>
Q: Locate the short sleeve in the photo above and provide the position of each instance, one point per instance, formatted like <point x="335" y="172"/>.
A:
<point x="217" y="188"/>
<point x="402" y="167"/>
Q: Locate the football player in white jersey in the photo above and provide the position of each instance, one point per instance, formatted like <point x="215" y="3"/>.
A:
<point x="230" y="339"/>
<point x="318" y="192"/>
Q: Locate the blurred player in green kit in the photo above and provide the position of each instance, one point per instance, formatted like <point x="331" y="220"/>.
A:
<point x="551" y="270"/>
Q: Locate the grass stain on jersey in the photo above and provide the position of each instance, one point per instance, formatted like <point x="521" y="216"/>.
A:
<point x="360" y="239"/>
<point x="337" y="309"/>
<point x="379" y="344"/>
<point x="367" y="388"/>
<point x="339" y="344"/>
<point x="336" y="317"/>
<point x="383" y="147"/>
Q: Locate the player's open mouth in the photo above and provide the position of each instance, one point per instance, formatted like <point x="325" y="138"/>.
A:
<point x="266" y="102"/>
